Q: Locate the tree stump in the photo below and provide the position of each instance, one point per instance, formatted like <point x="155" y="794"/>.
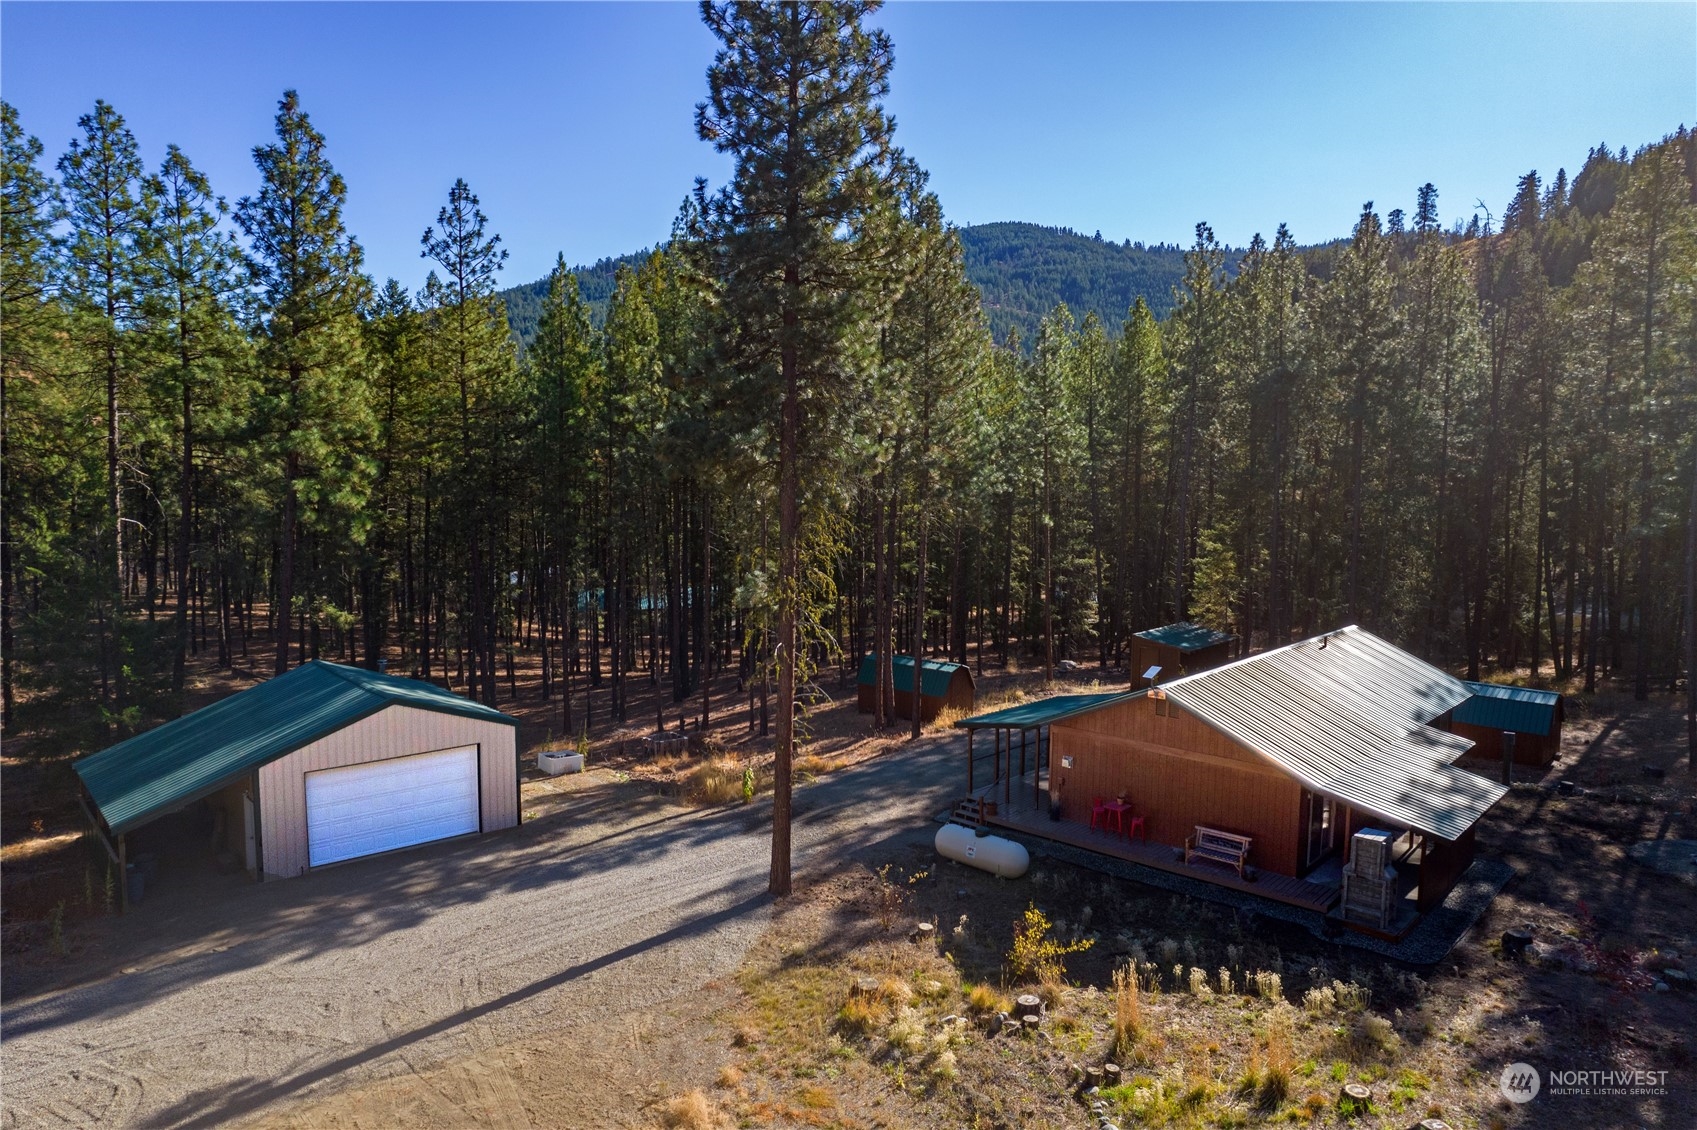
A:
<point x="1110" y="1075"/>
<point x="1093" y="1077"/>
<point x="1355" y="1095"/>
<point x="1028" y="1005"/>
<point x="1516" y="942"/>
<point x="865" y="987"/>
<point x="924" y="932"/>
<point x="1032" y="1023"/>
<point x="1432" y="1124"/>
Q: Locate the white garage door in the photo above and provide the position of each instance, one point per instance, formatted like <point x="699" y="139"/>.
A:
<point x="382" y="805"/>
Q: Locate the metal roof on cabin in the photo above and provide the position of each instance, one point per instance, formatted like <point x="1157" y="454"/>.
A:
<point x="1346" y="715"/>
<point x="933" y="679"/>
<point x="1185" y="636"/>
<point x="1494" y="706"/>
<point x="1041" y="712"/>
<point x="192" y="756"/>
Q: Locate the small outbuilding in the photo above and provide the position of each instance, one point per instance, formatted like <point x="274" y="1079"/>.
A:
<point x="1533" y="716"/>
<point x="941" y="685"/>
<point x="1178" y="649"/>
<point x="321" y="764"/>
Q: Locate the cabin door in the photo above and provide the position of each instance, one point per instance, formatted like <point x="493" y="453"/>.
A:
<point x="1322" y="827"/>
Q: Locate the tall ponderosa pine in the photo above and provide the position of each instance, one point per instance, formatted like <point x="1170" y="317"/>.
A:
<point x="794" y="97"/>
<point x="472" y="354"/>
<point x="313" y="409"/>
<point x="105" y="278"/>
<point x="194" y="334"/>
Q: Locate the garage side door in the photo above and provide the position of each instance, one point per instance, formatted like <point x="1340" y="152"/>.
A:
<point x="359" y="810"/>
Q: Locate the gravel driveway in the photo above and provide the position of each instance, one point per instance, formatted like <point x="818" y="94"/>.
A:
<point x="388" y="966"/>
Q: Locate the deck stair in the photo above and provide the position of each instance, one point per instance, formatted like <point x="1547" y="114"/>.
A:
<point x="972" y="811"/>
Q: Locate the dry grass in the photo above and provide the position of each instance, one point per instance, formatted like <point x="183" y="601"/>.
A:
<point x="718" y="781"/>
<point x="730" y="1076"/>
<point x="1128" y="1012"/>
<point x="692" y="1110"/>
<point x="984" y="998"/>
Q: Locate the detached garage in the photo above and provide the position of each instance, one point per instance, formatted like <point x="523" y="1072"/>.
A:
<point x="323" y="764"/>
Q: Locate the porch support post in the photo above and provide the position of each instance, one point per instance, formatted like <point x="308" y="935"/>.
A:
<point x="969" y="763"/>
<point x="123" y="874"/>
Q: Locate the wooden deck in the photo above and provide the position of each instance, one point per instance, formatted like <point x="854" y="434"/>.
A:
<point x="1020" y="813"/>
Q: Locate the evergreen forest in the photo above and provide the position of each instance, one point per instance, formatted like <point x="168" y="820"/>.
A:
<point x="820" y="421"/>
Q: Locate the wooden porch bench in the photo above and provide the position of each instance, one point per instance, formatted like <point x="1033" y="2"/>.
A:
<point x="1217" y="847"/>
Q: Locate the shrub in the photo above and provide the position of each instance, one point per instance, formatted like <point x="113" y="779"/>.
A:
<point x="729" y="1076"/>
<point x="1035" y="953"/>
<point x="1370" y="1037"/>
<point x="907" y="1032"/>
<point x="1269" y="986"/>
<point x="1199" y="983"/>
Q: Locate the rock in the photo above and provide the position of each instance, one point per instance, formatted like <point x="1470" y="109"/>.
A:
<point x="1661" y="986"/>
<point x="1098" y="1107"/>
<point x="1676" y="977"/>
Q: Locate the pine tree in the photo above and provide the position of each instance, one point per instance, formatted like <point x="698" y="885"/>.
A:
<point x="29" y="207"/>
<point x="466" y="326"/>
<point x="313" y="406"/>
<point x="794" y="96"/>
<point x="107" y="209"/>
<point x="188" y="312"/>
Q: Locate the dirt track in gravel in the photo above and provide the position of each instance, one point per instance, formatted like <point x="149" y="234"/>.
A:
<point x="415" y="974"/>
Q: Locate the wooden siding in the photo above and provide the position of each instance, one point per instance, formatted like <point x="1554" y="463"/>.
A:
<point x="395" y="731"/>
<point x="1442" y="864"/>
<point x="1173" y="662"/>
<point x="1536" y="750"/>
<point x="1177" y="772"/>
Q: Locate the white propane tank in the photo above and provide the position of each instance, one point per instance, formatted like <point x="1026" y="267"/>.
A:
<point x="987" y="853"/>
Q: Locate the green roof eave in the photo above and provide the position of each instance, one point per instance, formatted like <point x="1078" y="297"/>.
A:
<point x="1029" y="715"/>
<point x="193" y="756"/>
<point x="1185" y="636"/>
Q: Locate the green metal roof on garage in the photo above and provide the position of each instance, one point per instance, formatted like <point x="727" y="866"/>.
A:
<point x="181" y="761"/>
<point x="1185" y="636"/>
<point x="1521" y="709"/>
<point x="933" y="678"/>
<point x="1041" y="712"/>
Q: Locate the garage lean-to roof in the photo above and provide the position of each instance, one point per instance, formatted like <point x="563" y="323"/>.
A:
<point x="195" y="755"/>
<point x="1346" y="715"/>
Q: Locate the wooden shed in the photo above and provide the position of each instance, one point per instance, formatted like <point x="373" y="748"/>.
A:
<point x="1178" y="649"/>
<point x="1285" y="754"/>
<point x="1533" y="716"/>
<point x="941" y="685"/>
<point x="321" y="764"/>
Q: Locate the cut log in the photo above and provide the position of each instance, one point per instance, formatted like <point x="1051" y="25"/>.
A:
<point x="1110" y="1074"/>
<point x="1516" y="942"/>
<point x="1028" y="1004"/>
<point x="865" y="986"/>
<point x="924" y="932"/>
<point x="1356" y="1095"/>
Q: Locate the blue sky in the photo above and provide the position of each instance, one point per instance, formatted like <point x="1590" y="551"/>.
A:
<point x="573" y="122"/>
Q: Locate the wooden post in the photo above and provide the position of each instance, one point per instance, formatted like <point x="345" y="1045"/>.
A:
<point x="1508" y="757"/>
<point x="123" y="874"/>
<point x="1037" y="774"/>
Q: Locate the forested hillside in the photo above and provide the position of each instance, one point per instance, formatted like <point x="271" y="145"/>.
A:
<point x="780" y="447"/>
<point x="1025" y="270"/>
<point x="1022" y="270"/>
<point x="595" y="286"/>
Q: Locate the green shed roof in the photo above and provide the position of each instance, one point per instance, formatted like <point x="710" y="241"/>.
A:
<point x="1497" y="707"/>
<point x="934" y="675"/>
<point x="1185" y="636"/>
<point x="195" y="755"/>
<point x="1041" y="712"/>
